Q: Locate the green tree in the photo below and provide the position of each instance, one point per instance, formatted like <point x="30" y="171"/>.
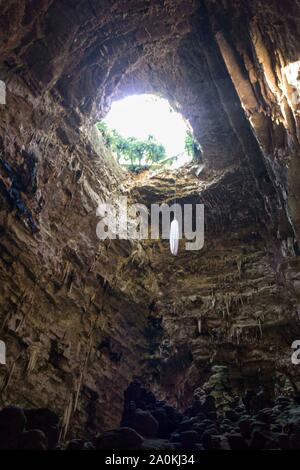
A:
<point x="136" y="152"/>
<point x="128" y="149"/>
<point x="154" y="151"/>
<point x="192" y="147"/>
<point x="106" y="133"/>
<point x="189" y="144"/>
<point x="119" y="145"/>
<point x="139" y="149"/>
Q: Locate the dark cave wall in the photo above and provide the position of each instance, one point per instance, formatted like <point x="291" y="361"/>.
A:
<point x="64" y="306"/>
<point x="258" y="41"/>
<point x="74" y="311"/>
<point x="234" y="303"/>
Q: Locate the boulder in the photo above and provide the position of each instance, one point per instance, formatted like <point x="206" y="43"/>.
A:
<point x="232" y="416"/>
<point x="207" y="440"/>
<point x="166" y="424"/>
<point x="245" y="426"/>
<point x="156" y="445"/>
<point x="46" y="421"/>
<point x="12" y="424"/>
<point x="33" y="440"/>
<point x="75" y="444"/>
<point x="264" y="415"/>
<point x="120" y="438"/>
<point x="237" y="442"/>
<point x="88" y="446"/>
<point x="144" y="423"/>
<point x="52" y="435"/>
<point x="261" y="440"/>
<point x="40" y="418"/>
<point x="189" y="439"/>
<point x="187" y="424"/>
<point x="209" y="404"/>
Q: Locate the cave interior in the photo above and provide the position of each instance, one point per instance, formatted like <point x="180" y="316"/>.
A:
<point x="117" y="343"/>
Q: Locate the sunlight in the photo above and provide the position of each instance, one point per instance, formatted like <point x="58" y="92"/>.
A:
<point x="292" y="72"/>
<point x="141" y="115"/>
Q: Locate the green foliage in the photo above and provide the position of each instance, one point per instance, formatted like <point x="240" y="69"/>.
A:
<point x="154" y="151"/>
<point x="106" y="134"/>
<point x="189" y="144"/>
<point x="137" y="153"/>
<point x="192" y="147"/>
<point x="143" y="154"/>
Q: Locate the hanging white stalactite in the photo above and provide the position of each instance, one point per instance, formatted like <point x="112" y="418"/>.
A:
<point x="174" y="237"/>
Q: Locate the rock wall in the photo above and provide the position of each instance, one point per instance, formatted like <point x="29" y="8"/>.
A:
<point x="66" y="300"/>
<point x="234" y="302"/>
<point x="262" y="58"/>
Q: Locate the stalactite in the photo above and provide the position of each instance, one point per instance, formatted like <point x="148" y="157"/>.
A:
<point x="200" y="325"/>
<point x="239" y="267"/>
<point x="228" y="303"/>
<point x="84" y="368"/>
<point x="66" y="418"/>
<point x="66" y="271"/>
<point x="238" y="335"/>
<point x="33" y="351"/>
<point x="260" y="329"/>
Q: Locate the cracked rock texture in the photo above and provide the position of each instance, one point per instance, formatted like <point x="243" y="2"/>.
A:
<point x="81" y="318"/>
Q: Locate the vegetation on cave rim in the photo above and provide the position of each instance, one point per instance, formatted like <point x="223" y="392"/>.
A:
<point x="143" y="154"/>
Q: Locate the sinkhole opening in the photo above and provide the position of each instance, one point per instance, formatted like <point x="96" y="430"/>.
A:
<point x="144" y="132"/>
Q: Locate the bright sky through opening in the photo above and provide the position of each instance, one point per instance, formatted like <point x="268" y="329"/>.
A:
<point x="141" y="115"/>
